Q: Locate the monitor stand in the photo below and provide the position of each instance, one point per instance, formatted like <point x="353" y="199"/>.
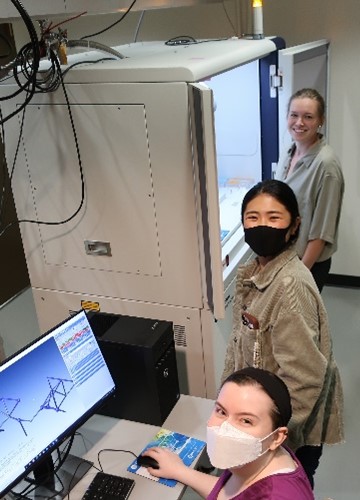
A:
<point x="45" y="484"/>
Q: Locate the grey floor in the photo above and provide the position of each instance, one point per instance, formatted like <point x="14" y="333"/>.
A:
<point x="338" y="476"/>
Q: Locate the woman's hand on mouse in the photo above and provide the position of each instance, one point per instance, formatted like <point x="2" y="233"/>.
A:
<point x="172" y="467"/>
<point x="170" y="464"/>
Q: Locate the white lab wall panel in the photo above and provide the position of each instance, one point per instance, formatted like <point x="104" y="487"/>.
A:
<point x="119" y="6"/>
<point x="53" y="306"/>
<point x="32" y="7"/>
<point x="200" y="21"/>
<point x="119" y="187"/>
<point x="37" y="8"/>
<point x="344" y="131"/>
<point x="141" y="198"/>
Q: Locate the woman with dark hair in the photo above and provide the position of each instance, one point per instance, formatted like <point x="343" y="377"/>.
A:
<point x="280" y="323"/>
<point x="313" y="171"/>
<point x="245" y="436"/>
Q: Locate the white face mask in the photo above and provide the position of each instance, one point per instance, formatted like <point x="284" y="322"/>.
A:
<point x="229" y="447"/>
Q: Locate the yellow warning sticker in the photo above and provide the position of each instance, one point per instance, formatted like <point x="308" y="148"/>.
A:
<point x="89" y="305"/>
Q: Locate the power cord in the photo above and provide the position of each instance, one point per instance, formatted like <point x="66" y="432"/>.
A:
<point x="112" y="25"/>
<point x="72" y="216"/>
<point x="114" y="451"/>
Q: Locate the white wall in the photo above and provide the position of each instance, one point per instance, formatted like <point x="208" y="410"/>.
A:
<point x="199" y="21"/>
<point x="296" y="22"/>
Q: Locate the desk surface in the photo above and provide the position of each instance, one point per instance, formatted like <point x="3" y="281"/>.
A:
<point x="189" y="416"/>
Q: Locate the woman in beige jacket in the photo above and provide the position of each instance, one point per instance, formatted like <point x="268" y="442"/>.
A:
<point x="280" y="322"/>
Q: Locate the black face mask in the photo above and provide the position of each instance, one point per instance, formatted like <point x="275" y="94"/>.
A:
<point x="266" y="241"/>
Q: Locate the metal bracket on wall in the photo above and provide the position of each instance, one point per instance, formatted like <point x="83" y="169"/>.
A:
<point x="276" y="80"/>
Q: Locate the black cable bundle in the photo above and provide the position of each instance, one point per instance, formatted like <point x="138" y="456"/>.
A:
<point x="28" y="60"/>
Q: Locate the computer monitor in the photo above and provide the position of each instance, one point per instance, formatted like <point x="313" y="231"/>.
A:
<point x="47" y="390"/>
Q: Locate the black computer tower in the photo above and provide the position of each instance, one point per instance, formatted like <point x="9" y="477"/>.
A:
<point x="140" y="354"/>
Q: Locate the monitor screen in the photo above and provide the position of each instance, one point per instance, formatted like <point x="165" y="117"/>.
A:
<point x="47" y="390"/>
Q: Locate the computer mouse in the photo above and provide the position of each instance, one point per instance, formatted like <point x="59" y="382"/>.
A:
<point x="146" y="461"/>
